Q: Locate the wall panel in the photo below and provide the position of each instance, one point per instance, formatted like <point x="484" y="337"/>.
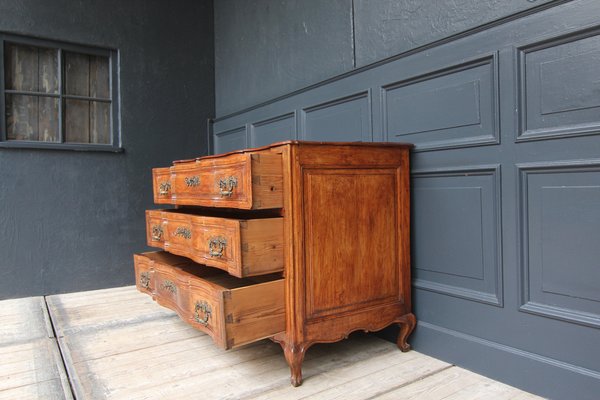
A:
<point x="451" y="108"/>
<point x="560" y="87"/>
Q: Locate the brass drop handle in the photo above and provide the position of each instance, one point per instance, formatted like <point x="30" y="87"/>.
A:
<point x="216" y="246"/>
<point x="204" y="307"/>
<point x="226" y="186"/>
<point x="164" y="188"/>
<point x="145" y="280"/>
<point x="192" y="181"/>
<point x="157" y="233"/>
<point x="170" y="286"/>
<point x="184" y="232"/>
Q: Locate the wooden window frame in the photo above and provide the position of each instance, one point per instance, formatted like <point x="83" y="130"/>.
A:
<point x="114" y="120"/>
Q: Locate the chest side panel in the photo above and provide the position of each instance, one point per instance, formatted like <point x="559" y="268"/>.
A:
<point x="350" y="236"/>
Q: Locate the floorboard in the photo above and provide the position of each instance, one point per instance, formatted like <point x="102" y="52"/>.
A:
<point x="30" y="361"/>
<point x="119" y="344"/>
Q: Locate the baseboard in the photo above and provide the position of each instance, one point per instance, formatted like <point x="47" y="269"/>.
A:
<point x="531" y="372"/>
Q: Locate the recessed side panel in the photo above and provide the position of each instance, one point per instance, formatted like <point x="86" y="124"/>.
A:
<point x="273" y="130"/>
<point x="231" y="140"/>
<point x="560" y="88"/>
<point x="561" y="251"/>
<point x="456" y="246"/>
<point x="351" y="251"/>
<point x="448" y="108"/>
<point x="343" y="120"/>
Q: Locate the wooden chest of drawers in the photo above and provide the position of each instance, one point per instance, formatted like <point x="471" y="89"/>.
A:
<point x="300" y="242"/>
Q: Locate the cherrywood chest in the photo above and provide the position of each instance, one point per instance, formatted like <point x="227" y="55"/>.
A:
<point x="299" y="242"/>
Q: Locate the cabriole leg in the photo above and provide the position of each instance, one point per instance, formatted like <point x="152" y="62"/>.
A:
<point x="407" y="324"/>
<point x="294" y="355"/>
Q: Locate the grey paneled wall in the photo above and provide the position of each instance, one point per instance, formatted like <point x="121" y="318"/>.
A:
<point x="505" y="188"/>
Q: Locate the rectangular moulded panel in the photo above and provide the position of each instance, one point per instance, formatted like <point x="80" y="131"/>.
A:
<point x="561" y="219"/>
<point x="560" y="87"/>
<point x="235" y="139"/>
<point x="273" y="130"/>
<point x="456" y="226"/>
<point x="342" y="120"/>
<point x="352" y="257"/>
<point x="450" y="108"/>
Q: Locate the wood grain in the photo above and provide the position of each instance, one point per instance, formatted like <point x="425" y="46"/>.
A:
<point x="240" y="311"/>
<point x="242" y="247"/>
<point x="31" y="366"/>
<point x="258" y="182"/>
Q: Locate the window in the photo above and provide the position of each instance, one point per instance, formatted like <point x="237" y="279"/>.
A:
<point x="57" y="95"/>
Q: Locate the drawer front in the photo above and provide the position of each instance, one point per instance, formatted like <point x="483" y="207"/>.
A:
<point x="243" y="181"/>
<point x="232" y="311"/>
<point x="240" y="247"/>
<point x="205" y="311"/>
<point x="144" y="274"/>
<point x="161" y="182"/>
<point x="168" y="289"/>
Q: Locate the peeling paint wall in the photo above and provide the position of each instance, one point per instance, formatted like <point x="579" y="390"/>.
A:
<point x="265" y="49"/>
<point x="70" y="221"/>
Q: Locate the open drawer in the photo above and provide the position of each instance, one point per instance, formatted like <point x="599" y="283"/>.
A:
<point x="243" y="247"/>
<point x="243" y="181"/>
<point x="232" y="311"/>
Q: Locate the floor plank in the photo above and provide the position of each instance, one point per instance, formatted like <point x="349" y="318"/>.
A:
<point x="31" y="366"/>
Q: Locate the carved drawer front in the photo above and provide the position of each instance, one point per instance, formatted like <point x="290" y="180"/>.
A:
<point x="244" y="181"/>
<point x="144" y="274"/>
<point x="242" y="247"/>
<point x="232" y="311"/>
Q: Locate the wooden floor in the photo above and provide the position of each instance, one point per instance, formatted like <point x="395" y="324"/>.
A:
<point x="118" y="344"/>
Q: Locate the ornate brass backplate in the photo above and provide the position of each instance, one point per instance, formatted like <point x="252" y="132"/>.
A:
<point x="204" y="308"/>
<point x="184" y="232"/>
<point x="226" y="186"/>
<point x="216" y="246"/>
<point x="192" y="181"/>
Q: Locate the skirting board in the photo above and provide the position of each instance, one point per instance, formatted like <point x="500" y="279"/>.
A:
<point x="528" y="371"/>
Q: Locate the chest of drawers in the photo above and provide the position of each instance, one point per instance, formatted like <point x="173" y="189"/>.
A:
<point x="299" y="242"/>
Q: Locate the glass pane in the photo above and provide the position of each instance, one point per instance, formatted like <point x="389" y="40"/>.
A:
<point x="31" y="69"/>
<point x="77" y="74"/>
<point x="21" y="117"/>
<point x="99" y="122"/>
<point x="77" y="121"/>
<point x="48" y="119"/>
<point x="99" y="77"/>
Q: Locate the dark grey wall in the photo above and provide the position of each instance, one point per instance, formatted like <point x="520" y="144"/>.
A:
<point x="70" y="221"/>
<point x="505" y="188"/>
<point x="265" y="49"/>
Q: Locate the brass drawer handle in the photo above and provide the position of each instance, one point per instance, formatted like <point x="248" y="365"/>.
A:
<point x="204" y="307"/>
<point x="164" y="188"/>
<point x="192" y="181"/>
<point x="145" y="280"/>
<point x="226" y="186"/>
<point x="169" y="286"/>
<point x="157" y="233"/>
<point x="183" y="232"/>
<point x="216" y="246"/>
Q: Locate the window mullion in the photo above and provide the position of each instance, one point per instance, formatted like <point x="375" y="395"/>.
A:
<point x="61" y="104"/>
